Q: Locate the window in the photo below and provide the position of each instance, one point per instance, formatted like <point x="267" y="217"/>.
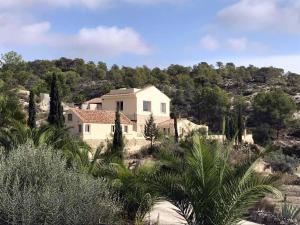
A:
<point x="163" y="107"/>
<point x="113" y="128"/>
<point x="120" y="105"/>
<point x="87" y="128"/>
<point x="147" y="106"/>
<point x="126" y="129"/>
<point x="99" y="106"/>
<point x="79" y="128"/>
<point x="70" y="117"/>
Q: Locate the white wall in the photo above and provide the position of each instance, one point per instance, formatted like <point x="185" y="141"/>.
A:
<point x="129" y="104"/>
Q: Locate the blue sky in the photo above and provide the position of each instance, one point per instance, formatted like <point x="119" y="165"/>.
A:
<point x="155" y="32"/>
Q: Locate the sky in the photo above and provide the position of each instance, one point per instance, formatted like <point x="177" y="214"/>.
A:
<point x="155" y="32"/>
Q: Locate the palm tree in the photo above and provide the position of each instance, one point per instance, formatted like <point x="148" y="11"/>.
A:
<point x="133" y="187"/>
<point x="207" y="188"/>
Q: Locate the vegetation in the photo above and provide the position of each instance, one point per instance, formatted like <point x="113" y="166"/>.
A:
<point x="45" y="172"/>
<point x="281" y="162"/>
<point x="274" y="109"/>
<point x="213" y="105"/>
<point x="56" y="116"/>
<point x="208" y="189"/>
<point x="31" y="121"/>
<point x="118" y="142"/>
<point x="36" y="188"/>
<point x="10" y="108"/>
<point x="133" y="185"/>
<point x="151" y="132"/>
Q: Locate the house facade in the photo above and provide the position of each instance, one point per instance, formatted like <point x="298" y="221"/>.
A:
<point x="137" y="105"/>
<point x="96" y="126"/>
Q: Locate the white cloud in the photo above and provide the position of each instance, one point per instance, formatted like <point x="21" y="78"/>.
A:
<point x="236" y="44"/>
<point x="259" y="15"/>
<point x="110" y="41"/>
<point x="209" y="43"/>
<point x="100" y="41"/>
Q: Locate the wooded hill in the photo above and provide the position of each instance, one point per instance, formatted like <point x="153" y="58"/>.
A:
<point x="205" y="93"/>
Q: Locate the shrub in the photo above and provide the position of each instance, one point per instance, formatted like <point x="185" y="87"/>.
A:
<point x="36" y="188"/>
<point x="281" y="162"/>
<point x="263" y="134"/>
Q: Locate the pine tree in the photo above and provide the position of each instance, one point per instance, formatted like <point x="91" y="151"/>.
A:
<point x="56" y="116"/>
<point x="151" y="132"/>
<point x="118" y="143"/>
<point x="31" y="122"/>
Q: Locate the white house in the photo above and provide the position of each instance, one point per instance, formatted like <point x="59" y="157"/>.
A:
<point x="96" y="126"/>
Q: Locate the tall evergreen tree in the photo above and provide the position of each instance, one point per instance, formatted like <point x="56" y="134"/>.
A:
<point x="118" y="143"/>
<point x="176" y="137"/>
<point x="151" y="132"/>
<point x="31" y="122"/>
<point x="56" y="116"/>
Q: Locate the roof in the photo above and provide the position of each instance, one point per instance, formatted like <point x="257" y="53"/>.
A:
<point x="129" y="91"/>
<point x="94" y="101"/>
<point x="170" y="122"/>
<point x="99" y="116"/>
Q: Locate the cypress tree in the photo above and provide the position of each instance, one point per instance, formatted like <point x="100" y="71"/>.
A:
<point x="56" y="116"/>
<point x="31" y="122"/>
<point x="176" y="137"/>
<point x="118" y="143"/>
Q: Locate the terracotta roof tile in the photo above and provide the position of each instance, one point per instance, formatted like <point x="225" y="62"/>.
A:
<point x="99" y="116"/>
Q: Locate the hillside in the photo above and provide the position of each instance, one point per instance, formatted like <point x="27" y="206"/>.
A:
<point x="80" y="81"/>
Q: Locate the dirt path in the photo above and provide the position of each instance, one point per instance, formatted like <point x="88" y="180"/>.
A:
<point x="166" y="214"/>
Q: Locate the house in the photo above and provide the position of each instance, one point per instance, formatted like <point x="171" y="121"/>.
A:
<point x="93" y="104"/>
<point x="96" y="126"/>
<point x="138" y="104"/>
<point x="184" y="127"/>
<point x="94" y="122"/>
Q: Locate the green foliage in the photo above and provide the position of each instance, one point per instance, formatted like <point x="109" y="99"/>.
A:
<point x="207" y="188"/>
<point x="55" y="116"/>
<point x="10" y="108"/>
<point x="36" y="188"/>
<point x="212" y="107"/>
<point x="31" y="121"/>
<point x="263" y="134"/>
<point x="75" y="150"/>
<point x="274" y="108"/>
<point x="151" y="132"/>
<point x="118" y="142"/>
<point x="133" y="186"/>
<point x="289" y="212"/>
<point x="294" y="128"/>
<point x="281" y="162"/>
<point x="236" y="120"/>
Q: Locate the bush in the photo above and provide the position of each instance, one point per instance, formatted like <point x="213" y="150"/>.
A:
<point x="281" y="162"/>
<point x="294" y="128"/>
<point x="36" y="188"/>
<point x="263" y="134"/>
